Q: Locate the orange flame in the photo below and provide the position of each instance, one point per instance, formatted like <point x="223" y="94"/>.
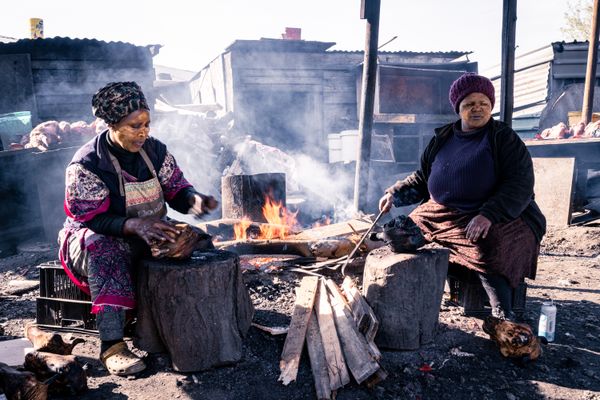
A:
<point x="279" y="224"/>
<point x="239" y="229"/>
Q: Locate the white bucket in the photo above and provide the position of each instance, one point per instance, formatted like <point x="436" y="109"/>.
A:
<point x="335" y="147"/>
<point x="349" y="145"/>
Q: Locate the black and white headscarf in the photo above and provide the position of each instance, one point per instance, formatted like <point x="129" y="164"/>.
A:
<point x="117" y="100"/>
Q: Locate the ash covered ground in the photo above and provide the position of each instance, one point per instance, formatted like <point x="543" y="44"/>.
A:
<point x="464" y="363"/>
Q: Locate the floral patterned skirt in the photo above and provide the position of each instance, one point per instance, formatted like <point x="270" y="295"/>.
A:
<point x="101" y="266"/>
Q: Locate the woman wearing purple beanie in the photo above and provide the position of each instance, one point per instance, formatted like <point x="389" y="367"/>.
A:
<point x="475" y="186"/>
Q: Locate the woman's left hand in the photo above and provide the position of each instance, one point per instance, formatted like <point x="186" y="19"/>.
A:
<point x="201" y="204"/>
<point x="478" y="227"/>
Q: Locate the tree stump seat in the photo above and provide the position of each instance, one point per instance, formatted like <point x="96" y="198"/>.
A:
<point x="405" y="292"/>
<point x="198" y="310"/>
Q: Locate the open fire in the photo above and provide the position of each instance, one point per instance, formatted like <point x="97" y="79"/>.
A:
<point x="280" y="223"/>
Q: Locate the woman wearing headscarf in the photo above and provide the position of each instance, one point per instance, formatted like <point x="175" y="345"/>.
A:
<point x="475" y="186"/>
<point x="116" y="188"/>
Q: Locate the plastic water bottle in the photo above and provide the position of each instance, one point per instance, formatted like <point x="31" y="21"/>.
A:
<point x="547" y="323"/>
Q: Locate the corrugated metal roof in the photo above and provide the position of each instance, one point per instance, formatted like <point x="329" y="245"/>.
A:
<point x="449" y="54"/>
<point x="74" y="47"/>
<point x="531" y="84"/>
<point x="7" y="39"/>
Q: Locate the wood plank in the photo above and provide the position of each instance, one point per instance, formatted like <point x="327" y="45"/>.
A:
<point x="365" y="318"/>
<point x="337" y="229"/>
<point x="554" y="188"/>
<point x="354" y="345"/>
<point x="336" y="366"/>
<point x="294" y="341"/>
<point x="318" y="363"/>
<point x="360" y="309"/>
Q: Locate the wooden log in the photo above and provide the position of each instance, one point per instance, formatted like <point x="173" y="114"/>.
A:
<point x="65" y="372"/>
<point x="405" y="292"/>
<point x="49" y="342"/>
<point x="199" y="307"/>
<point x="294" y="341"/>
<point x="273" y="246"/>
<point x="354" y="345"/>
<point x="22" y="385"/>
<point x="336" y="366"/>
<point x="318" y="362"/>
<point x="244" y="195"/>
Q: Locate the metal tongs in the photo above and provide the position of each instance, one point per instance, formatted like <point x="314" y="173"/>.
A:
<point x="362" y="239"/>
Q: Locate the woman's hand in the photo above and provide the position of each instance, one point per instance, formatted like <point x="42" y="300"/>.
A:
<point x="150" y="229"/>
<point x="386" y="202"/>
<point x="478" y="227"/>
<point x="201" y="204"/>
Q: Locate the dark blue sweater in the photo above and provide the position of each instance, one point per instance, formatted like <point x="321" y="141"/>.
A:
<point x="462" y="173"/>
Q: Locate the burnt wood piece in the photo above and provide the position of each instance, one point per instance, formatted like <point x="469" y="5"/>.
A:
<point x="365" y="318"/>
<point x="294" y="341"/>
<point x="272" y="246"/>
<point x="318" y="362"/>
<point x="21" y="385"/>
<point x="336" y="366"/>
<point x="198" y="309"/>
<point x="357" y="353"/>
<point x="244" y="195"/>
<point x="49" y="342"/>
<point x="65" y="373"/>
<point x="405" y="291"/>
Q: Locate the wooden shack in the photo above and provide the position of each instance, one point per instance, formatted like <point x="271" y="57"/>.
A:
<point x="55" y="78"/>
<point x="292" y="93"/>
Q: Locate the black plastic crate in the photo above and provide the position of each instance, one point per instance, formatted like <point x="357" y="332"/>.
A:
<point x="54" y="283"/>
<point x="65" y="314"/>
<point x="467" y="292"/>
<point x="61" y="304"/>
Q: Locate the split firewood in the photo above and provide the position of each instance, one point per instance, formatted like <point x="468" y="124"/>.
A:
<point x="365" y="317"/>
<point x="49" y="342"/>
<point x="358" y="355"/>
<point x="336" y="365"/>
<point x="21" y="385"/>
<point x="64" y="372"/>
<point x="318" y="362"/>
<point x="294" y="341"/>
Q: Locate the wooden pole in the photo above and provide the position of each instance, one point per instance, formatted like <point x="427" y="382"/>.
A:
<point x="590" y="72"/>
<point x="509" y="22"/>
<point x="369" y="11"/>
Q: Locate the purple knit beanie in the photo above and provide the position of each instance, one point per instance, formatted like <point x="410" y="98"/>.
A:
<point x="470" y="83"/>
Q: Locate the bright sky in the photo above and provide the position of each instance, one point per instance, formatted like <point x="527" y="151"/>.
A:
<point x="195" y="32"/>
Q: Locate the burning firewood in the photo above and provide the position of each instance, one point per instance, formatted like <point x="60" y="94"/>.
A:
<point x="49" y="342"/>
<point x="515" y="340"/>
<point x="21" y="385"/>
<point x="63" y="373"/>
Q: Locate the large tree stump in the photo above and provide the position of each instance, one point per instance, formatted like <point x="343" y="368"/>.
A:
<point x="244" y="195"/>
<point x="198" y="309"/>
<point x="405" y="291"/>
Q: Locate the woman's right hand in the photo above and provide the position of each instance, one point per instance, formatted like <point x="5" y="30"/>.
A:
<point x="386" y="202"/>
<point x="150" y="229"/>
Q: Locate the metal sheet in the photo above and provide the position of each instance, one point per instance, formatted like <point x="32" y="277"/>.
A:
<point x="17" y="84"/>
